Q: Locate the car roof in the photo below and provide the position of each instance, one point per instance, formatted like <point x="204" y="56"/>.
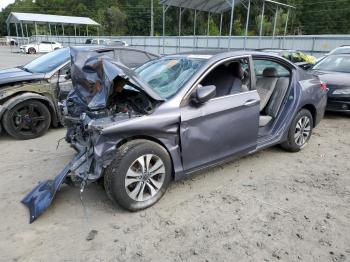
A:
<point x="102" y="48"/>
<point x="207" y="54"/>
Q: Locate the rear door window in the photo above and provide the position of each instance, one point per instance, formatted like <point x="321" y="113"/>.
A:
<point x="261" y="64"/>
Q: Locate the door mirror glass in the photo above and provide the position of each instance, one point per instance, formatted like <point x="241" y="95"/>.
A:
<point x="204" y="93"/>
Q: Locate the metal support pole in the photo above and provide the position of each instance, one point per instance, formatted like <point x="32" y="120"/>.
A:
<point x="194" y="29"/>
<point x="178" y="40"/>
<point x="208" y="28"/>
<point x="274" y="26"/>
<point x="62" y="29"/>
<point x="36" y="28"/>
<point x="231" y="23"/>
<point x="221" y="16"/>
<point x="87" y="30"/>
<point x="75" y="30"/>
<point x="22" y="33"/>
<point x="285" y="27"/>
<point x="194" y="22"/>
<point x="261" y="23"/>
<point x="164" y="10"/>
<point x="152" y="19"/>
<point x="180" y="15"/>
<point x="16" y="29"/>
<point x="22" y="30"/>
<point x="50" y="36"/>
<point x="8" y="29"/>
<point x="56" y="30"/>
<point x="246" y="26"/>
<point x="27" y="31"/>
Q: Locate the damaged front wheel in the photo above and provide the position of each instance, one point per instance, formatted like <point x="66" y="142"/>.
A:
<point x="139" y="176"/>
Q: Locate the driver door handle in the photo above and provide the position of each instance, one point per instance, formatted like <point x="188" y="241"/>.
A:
<point x="250" y="102"/>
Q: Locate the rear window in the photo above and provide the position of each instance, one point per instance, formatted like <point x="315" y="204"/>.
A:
<point x="132" y="58"/>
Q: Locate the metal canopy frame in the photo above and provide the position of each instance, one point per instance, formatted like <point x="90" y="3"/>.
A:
<point x="220" y="7"/>
<point x="44" y="19"/>
<point x="278" y="6"/>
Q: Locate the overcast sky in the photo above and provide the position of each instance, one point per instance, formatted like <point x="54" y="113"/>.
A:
<point x="4" y="3"/>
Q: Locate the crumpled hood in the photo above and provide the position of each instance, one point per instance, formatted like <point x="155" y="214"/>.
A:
<point x="16" y="74"/>
<point x="93" y="76"/>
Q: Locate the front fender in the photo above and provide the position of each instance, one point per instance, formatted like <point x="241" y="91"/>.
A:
<point x="12" y="102"/>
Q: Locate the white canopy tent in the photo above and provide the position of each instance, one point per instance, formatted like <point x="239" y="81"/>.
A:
<point x="31" y="18"/>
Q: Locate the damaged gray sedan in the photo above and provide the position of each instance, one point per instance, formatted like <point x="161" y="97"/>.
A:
<point x="175" y="115"/>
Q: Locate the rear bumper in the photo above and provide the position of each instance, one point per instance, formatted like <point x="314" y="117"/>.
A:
<point x="338" y="104"/>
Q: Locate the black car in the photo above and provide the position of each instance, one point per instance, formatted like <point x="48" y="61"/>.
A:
<point x="334" y="70"/>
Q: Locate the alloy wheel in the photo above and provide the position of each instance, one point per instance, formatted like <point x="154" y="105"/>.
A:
<point x="28" y="119"/>
<point x="145" y="177"/>
<point x="302" y="131"/>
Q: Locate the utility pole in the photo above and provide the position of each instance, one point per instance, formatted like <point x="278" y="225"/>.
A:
<point x="152" y="19"/>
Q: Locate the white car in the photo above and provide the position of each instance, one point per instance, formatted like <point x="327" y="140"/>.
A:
<point x="40" y="47"/>
<point x="109" y="42"/>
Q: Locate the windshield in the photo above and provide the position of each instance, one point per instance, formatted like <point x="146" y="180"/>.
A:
<point x="334" y="64"/>
<point x="166" y="76"/>
<point x="48" y="62"/>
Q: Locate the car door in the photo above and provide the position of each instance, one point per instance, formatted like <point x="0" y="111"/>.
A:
<point x="44" y="47"/>
<point x="222" y="127"/>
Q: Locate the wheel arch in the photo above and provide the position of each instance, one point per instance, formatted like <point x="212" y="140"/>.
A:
<point x="12" y="102"/>
<point x="152" y="139"/>
<point x="313" y="111"/>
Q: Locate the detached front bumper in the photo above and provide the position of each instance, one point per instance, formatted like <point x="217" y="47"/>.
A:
<point x="41" y="197"/>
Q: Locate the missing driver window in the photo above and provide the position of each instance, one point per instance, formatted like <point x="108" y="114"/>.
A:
<point x="230" y="77"/>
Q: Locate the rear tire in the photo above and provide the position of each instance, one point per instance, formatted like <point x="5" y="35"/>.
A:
<point x="130" y="187"/>
<point x="299" y="132"/>
<point x="31" y="51"/>
<point x="27" y="120"/>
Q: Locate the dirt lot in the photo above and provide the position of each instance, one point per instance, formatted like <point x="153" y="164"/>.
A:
<point x="269" y="206"/>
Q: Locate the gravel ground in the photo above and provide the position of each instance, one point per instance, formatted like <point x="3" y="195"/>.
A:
<point x="268" y="206"/>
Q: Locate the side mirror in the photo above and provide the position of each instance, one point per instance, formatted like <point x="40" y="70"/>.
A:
<point x="204" y="93"/>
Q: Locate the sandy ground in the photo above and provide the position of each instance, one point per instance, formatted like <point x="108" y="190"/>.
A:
<point x="268" y="206"/>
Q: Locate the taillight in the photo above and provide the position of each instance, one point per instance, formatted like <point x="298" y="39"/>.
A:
<point x="323" y="86"/>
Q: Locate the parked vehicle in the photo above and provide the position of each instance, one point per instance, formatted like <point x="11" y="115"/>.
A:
<point x="30" y="94"/>
<point x="299" y="58"/>
<point x="40" y="47"/>
<point x="334" y="70"/>
<point x="108" y="42"/>
<point x="343" y="49"/>
<point x="176" y="115"/>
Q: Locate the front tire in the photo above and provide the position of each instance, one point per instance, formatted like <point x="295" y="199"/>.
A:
<point x="27" y="120"/>
<point x="139" y="176"/>
<point x="299" y="131"/>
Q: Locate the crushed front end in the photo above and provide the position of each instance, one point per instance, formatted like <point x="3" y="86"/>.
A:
<point x="103" y="96"/>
